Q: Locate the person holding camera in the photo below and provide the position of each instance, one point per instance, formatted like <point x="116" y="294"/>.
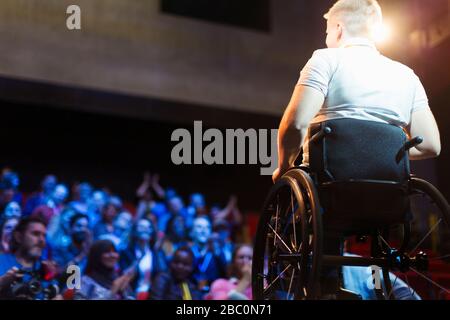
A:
<point x="23" y="274"/>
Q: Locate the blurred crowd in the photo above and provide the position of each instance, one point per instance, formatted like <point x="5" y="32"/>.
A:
<point x="158" y="247"/>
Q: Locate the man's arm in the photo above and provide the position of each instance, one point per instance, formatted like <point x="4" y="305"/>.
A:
<point x="423" y="124"/>
<point x="304" y="105"/>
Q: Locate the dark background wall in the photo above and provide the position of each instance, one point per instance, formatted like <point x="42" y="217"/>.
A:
<point x="114" y="151"/>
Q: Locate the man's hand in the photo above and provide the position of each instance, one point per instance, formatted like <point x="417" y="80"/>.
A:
<point x="9" y="277"/>
<point x="278" y="173"/>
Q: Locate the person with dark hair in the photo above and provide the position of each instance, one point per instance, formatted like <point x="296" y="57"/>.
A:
<point x="27" y="246"/>
<point x="43" y="212"/>
<point x="75" y="253"/>
<point x="141" y="256"/>
<point x="48" y="185"/>
<point x="175" y="236"/>
<point x="9" y="188"/>
<point x="177" y="283"/>
<point x="175" y="206"/>
<point x="109" y="213"/>
<point x="6" y="229"/>
<point x="101" y="280"/>
<point x="222" y="233"/>
<point x="197" y="204"/>
<point x="238" y="285"/>
<point x="81" y="194"/>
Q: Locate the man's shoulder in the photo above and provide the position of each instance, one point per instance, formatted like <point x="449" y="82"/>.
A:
<point x="398" y="65"/>
<point x="7" y="261"/>
<point x="326" y="53"/>
<point x="325" y="57"/>
<point x="7" y="257"/>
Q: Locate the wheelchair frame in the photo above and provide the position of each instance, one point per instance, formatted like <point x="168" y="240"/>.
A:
<point x="288" y="254"/>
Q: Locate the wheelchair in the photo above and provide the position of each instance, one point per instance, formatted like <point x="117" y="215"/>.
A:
<point x="358" y="184"/>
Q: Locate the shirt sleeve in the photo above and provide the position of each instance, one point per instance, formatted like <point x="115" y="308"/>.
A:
<point x="317" y="72"/>
<point x="420" y="97"/>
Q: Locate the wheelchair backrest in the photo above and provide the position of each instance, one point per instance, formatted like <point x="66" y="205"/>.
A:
<point x="361" y="170"/>
<point x="359" y="150"/>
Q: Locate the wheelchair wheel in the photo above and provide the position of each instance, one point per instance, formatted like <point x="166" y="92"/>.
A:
<point x="433" y="241"/>
<point x="422" y="260"/>
<point x="288" y="245"/>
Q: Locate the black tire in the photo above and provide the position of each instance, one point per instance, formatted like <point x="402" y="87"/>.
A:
<point x="288" y="241"/>
<point x="417" y="186"/>
<point x="420" y="185"/>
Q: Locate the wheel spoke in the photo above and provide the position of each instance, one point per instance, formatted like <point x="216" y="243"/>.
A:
<point x="293" y="223"/>
<point x="282" y="241"/>
<point x="411" y="289"/>
<point x="276" y="279"/>
<point x="392" y="287"/>
<point x="426" y="236"/>
<point x="290" y="284"/>
<point x="429" y="280"/>
<point x="276" y="219"/>
<point x="385" y="242"/>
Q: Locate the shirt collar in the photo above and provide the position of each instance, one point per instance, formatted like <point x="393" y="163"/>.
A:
<point x="364" y="42"/>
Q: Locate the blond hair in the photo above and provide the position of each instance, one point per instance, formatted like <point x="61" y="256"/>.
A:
<point x="360" y="17"/>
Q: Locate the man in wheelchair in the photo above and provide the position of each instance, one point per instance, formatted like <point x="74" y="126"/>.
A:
<point x="353" y="112"/>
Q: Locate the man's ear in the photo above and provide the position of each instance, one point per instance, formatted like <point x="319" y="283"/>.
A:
<point x="340" y="31"/>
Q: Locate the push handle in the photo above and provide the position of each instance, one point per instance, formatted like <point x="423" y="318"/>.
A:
<point x="414" y="142"/>
<point x="321" y="134"/>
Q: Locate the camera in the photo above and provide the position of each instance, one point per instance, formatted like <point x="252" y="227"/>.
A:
<point x="33" y="285"/>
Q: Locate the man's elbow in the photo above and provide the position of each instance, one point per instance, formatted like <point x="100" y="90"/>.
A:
<point x="433" y="151"/>
<point x="301" y="125"/>
<point x="436" y="151"/>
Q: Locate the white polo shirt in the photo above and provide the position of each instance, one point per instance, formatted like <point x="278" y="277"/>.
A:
<point x="360" y="83"/>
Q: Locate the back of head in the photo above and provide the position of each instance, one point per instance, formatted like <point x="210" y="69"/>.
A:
<point x="360" y="17"/>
